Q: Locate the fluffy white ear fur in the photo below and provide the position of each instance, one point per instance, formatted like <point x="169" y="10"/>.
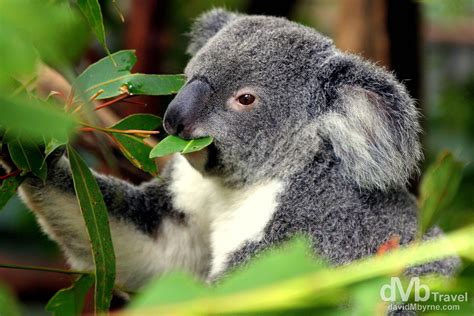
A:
<point x="363" y="137"/>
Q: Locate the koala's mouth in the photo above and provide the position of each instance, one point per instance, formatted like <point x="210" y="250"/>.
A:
<point x="203" y="160"/>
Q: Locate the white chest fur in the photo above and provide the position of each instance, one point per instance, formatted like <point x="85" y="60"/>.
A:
<point x="233" y="216"/>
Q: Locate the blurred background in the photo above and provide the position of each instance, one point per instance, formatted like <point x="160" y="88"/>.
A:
<point x="428" y="44"/>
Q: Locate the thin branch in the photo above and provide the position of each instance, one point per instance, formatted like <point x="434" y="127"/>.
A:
<point x="45" y="269"/>
<point x="96" y="95"/>
<point x="135" y="102"/>
<point x="69" y="101"/>
<point x="113" y="101"/>
<point x="11" y="174"/>
<point x="23" y="86"/>
<point x="143" y="133"/>
<point x="119" y="12"/>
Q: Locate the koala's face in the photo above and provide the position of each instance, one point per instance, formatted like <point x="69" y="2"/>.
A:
<point x="249" y="88"/>
<point x="271" y="92"/>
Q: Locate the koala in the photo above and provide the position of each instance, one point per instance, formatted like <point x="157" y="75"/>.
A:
<point x="307" y="140"/>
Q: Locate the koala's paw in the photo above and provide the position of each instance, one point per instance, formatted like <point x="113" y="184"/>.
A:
<point x="5" y="160"/>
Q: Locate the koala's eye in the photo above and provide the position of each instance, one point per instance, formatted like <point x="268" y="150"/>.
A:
<point x="243" y="100"/>
<point x="246" y="99"/>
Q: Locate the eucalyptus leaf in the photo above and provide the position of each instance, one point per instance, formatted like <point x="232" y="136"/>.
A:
<point x="25" y="37"/>
<point x="268" y="285"/>
<point x="134" y="148"/>
<point x="8" y="303"/>
<point x="276" y="264"/>
<point x="27" y="156"/>
<point x="38" y="119"/>
<point x="141" y="84"/>
<point x="438" y="188"/>
<point x="93" y="13"/>
<point x="147" y="122"/>
<point x="95" y="215"/>
<point x="8" y="189"/>
<point x="70" y="301"/>
<point x="52" y="144"/>
<point x="173" y="144"/>
<point x="103" y="71"/>
<point x="111" y="79"/>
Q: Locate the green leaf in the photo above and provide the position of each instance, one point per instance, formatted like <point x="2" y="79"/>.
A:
<point x="38" y="119"/>
<point x="52" y="144"/>
<point x="8" y="303"/>
<point x="171" y="288"/>
<point x="93" y="13"/>
<point x="143" y="84"/>
<point x="292" y="259"/>
<point x="70" y="301"/>
<point x="438" y="188"/>
<point x="254" y="293"/>
<point x="8" y="189"/>
<point x="133" y="147"/>
<point x="104" y="71"/>
<point x="25" y="58"/>
<point x="365" y="296"/>
<point x="95" y="216"/>
<point x="274" y="265"/>
<point x="147" y="122"/>
<point x="28" y="157"/>
<point x="23" y="31"/>
<point x="173" y="144"/>
<point x="136" y="151"/>
<point x="115" y="79"/>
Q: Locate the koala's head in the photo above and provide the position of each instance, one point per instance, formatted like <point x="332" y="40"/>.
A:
<point x="270" y="91"/>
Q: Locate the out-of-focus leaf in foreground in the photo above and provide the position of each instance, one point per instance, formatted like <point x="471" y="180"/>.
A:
<point x="70" y="301"/>
<point x="438" y="187"/>
<point x="293" y="259"/>
<point x="174" y="144"/>
<point x="95" y="216"/>
<point x="8" y="304"/>
<point x="264" y="288"/>
<point x="133" y="147"/>
<point x="113" y="77"/>
<point x="29" y="29"/>
<point x="34" y="119"/>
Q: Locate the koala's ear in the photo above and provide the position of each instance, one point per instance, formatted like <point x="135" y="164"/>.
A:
<point x="371" y="122"/>
<point x="206" y="26"/>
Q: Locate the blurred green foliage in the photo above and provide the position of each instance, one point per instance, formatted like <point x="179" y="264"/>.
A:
<point x="447" y="11"/>
<point x="26" y="33"/>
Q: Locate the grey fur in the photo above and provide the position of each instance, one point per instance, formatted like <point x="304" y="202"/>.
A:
<point x="340" y="133"/>
<point x="206" y="26"/>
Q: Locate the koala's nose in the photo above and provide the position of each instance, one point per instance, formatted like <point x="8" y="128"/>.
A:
<point x="171" y="124"/>
<point x="184" y="110"/>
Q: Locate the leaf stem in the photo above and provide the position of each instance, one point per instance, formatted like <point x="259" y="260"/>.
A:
<point x="119" y="12"/>
<point x="45" y="269"/>
<point x="135" y="102"/>
<point x="113" y="101"/>
<point x="11" y="174"/>
<point x="70" y="100"/>
<point x="89" y="128"/>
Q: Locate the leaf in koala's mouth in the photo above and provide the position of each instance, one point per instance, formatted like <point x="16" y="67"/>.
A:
<point x="174" y="144"/>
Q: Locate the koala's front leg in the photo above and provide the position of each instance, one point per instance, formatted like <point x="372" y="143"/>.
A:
<point x="149" y="236"/>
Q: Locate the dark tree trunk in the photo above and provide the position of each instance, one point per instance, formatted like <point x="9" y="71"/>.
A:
<point x="275" y="8"/>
